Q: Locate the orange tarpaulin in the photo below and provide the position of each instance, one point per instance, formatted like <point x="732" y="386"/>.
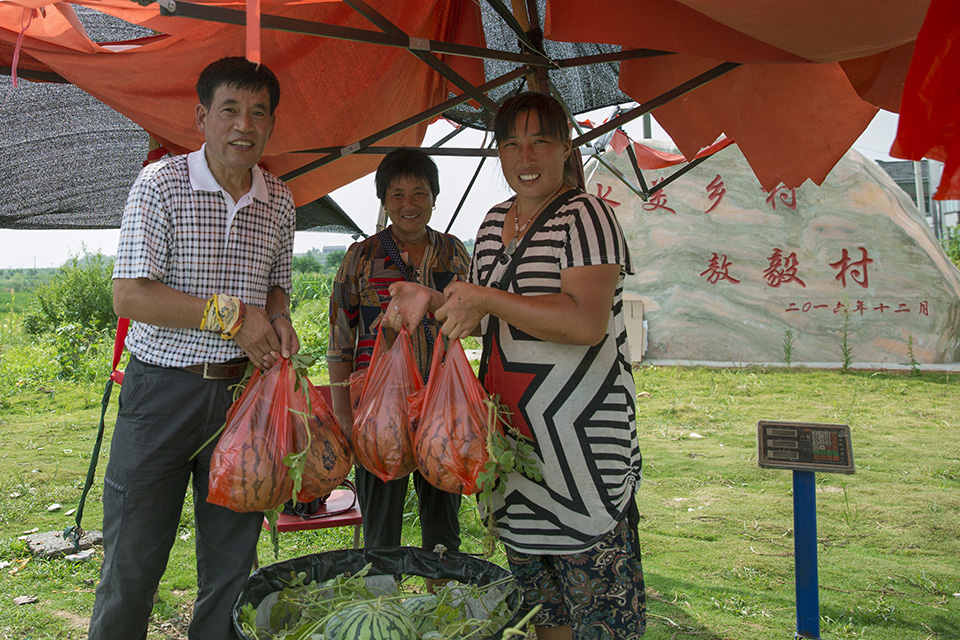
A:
<point x="650" y="159"/>
<point x="812" y="74"/>
<point x="792" y="119"/>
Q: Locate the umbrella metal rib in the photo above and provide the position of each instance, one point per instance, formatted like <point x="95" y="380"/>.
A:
<point x="400" y="126"/>
<point x="336" y="32"/>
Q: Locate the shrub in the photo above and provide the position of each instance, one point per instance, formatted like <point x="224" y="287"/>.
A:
<point x="76" y="307"/>
<point x="80" y="293"/>
<point x="951" y="244"/>
<point x="84" y="355"/>
<point x="313" y="330"/>
<point x="310" y="286"/>
<point x="305" y="264"/>
<point x="310" y="303"/>
<point x="333" y="260"/>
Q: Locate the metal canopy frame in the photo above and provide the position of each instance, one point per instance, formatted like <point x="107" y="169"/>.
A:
<point x="532" y="63"/>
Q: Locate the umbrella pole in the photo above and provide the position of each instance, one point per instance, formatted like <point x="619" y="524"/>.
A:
<point x="525" y="11"/>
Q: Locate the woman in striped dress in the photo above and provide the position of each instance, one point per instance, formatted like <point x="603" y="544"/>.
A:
<point x="545" y="292"/>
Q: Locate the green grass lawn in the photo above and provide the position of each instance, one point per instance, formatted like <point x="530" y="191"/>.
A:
<point x="716" y="530"/>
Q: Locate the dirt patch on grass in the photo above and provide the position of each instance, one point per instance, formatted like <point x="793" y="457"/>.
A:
<point x="76" y="621"/>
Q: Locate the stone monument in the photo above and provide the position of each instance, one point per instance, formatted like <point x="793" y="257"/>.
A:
<point x="729" y="272"/>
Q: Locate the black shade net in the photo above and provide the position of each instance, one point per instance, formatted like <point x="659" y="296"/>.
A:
<point x="67" y="160"/>
<point x="581" y="88"/>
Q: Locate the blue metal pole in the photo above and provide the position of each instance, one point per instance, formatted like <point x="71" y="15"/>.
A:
<point x="805" y="554"/>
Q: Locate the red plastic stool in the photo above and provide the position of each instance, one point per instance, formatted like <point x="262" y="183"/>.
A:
<point x="339" y="500"/>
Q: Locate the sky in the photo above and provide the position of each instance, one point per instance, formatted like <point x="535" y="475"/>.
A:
<point x="51" y="248"/>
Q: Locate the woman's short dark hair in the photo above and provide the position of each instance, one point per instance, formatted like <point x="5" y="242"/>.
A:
<point x="552" y="116"/>
<point x="240" y="73"/>
<point x="405" y="162"/>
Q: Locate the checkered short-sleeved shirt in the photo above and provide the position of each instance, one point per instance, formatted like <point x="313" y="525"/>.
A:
<point x="180" y="228"/>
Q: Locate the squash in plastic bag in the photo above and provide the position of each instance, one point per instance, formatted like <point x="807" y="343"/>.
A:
<point x="450" y="441"/>
<point x="247" y="472"/>
<point x="381" y="424"/>
<point x="330" y="457"/>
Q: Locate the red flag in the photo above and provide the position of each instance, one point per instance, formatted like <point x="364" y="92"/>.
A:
<point x="929" y="123"/>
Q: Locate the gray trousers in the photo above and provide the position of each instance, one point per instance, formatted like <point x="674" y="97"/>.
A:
<point x="165" y="415"/>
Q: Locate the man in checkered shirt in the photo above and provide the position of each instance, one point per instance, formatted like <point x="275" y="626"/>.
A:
<point x="203" y="272"/>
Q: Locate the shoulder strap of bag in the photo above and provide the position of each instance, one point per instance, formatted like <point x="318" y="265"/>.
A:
<point x="506" y="278"/>
<point x="75" y="533"/>
<point x="386" y="241"/>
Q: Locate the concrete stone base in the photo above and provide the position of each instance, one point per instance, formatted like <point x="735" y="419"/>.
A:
<point x="51" y="544"/>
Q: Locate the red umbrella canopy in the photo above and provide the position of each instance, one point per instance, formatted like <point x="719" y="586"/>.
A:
<point x="812" y="73"/>
<point x="810" y="78"/>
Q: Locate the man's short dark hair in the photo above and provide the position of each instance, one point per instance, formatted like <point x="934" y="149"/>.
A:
<point x="240" y="73"/>
<point x="405" y="162"/>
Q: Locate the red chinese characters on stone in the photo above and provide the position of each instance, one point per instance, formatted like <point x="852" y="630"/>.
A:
<point x="715" y="192"/>
<point x="658" y="201"/>
<point x="605" y="195"/>
<point x="718" y="270"/>
<point x="786" y="196"/>
<point x="782" y="270"/>
<point x="923" y="307"/>
<point x="856" y="269"/>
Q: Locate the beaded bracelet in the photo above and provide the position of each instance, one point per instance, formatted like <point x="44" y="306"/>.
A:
<point x="281" y="314"/>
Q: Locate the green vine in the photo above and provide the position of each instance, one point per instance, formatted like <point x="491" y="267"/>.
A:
<point x="303" y="609"/>
<point x="508" y="451"/>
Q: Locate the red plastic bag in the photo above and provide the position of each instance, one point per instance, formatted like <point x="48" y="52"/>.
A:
<point x="330" y="457"/>
<point x="381" y="424"/>
<point x="450" y="441"/>
<point x="356" y="381"/>
<point x="247" y="472"/>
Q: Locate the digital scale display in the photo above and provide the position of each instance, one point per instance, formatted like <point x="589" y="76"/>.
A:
<point x="804" y="446"/>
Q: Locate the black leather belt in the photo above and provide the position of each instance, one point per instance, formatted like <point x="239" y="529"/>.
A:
<point x="219" y="370"/>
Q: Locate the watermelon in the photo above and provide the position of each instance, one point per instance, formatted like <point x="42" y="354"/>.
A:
<point x="422" y="610"/>
<point x="371" y="620"/>
<point x="332" y="628"/>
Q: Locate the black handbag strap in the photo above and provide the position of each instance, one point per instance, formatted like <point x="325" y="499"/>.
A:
<point x="506" y="278"/>
<point x="386" y="241"/>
